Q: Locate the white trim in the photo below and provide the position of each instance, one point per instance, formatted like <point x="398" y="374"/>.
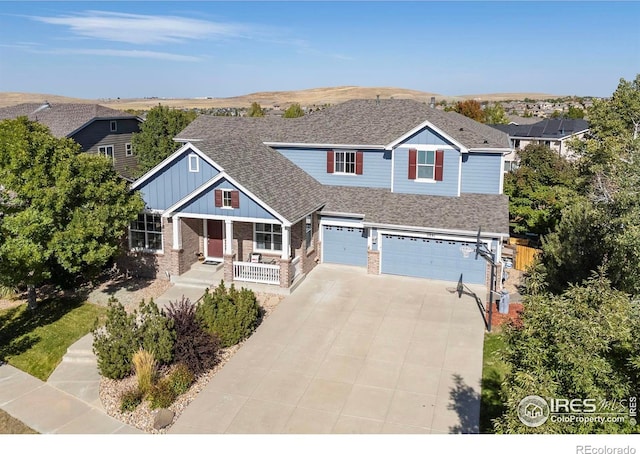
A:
<point x="286" y="242"/>
<point x="341" y="214"/>
<point x="196" y="168"/>
<point x="379" y="243"/>
<point x="420" y="127"/>
<point x="129" y="151"/>
<point x="176" y="230"/>
<point x="408" y="228"/>
<point x="217" y="217"/>
<point x="459" y="174"/>
<point x="356" y="225"/>
<point x="393" y="167"/>
<point x="225" y="191"/>
<point x="490" y="150"/>
<point x="113" y="151"/>
<point x="205" y="237"/>
<point x="172" y="158"/>
<point x="162" y="234"/>
<point x="269" y="251"/>
<point x="322" y="145"/>
<point x="228" y="236"/>
<point x="468" y="239"/>
<point x="502" y="172"/>
<point x="423" y="147"/>
<point x="169" y="211"/>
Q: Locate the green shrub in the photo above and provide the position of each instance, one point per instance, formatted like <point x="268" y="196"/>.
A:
<point x="130" y="399"/>
<point x="194" y="346"/>
<point x="162" y="394"/>
<point x="156" y="332"/>
<point x="115" y="343"/>
<point x="146" y="369"/>
<point x="231" y="314"/>
<point x="123" y="334"/>
<point x="181" y="378"/>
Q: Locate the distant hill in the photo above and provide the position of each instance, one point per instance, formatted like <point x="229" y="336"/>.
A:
<point x="313" y="96"/>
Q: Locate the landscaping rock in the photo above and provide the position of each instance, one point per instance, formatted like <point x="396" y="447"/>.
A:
<point x="162" y="418"/>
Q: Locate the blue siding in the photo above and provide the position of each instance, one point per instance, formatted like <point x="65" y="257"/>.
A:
<point x="175" y="182"/>
<point x="448" y="186"/>
<point x="481" y="173"/>
<point x="344" y="245"/>
<point x="432" y="259"/>
<point x="427" y="137"/>
<point x="205" y="204"/>
<point x="376" y="167"/>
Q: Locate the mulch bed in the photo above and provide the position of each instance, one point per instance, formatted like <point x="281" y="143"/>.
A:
<point x="498" y="320"/>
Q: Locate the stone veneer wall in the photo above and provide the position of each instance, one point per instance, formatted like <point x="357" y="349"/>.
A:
<point x="373" y="262"/>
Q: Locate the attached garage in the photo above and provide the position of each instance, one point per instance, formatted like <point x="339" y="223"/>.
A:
<point x="432" y="259"/>
<point x="344" y="245"/>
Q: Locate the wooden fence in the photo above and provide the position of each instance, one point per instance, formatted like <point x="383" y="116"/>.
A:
<point x="525" y="256"/>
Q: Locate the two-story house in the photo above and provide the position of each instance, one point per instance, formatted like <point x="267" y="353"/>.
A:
<point x="392" y="186"/>
<point x="96" y="128"/>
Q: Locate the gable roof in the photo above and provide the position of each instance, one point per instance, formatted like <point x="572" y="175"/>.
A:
<point x="235" y="144"/>
<point x="63" y="119"/>
<point x="380" y="206"/>
<point x="551" y="128"/>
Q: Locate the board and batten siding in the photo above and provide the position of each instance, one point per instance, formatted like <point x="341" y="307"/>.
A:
<point x="204" y="204"/>
<point x="427" y="137"/>
<point x="481" y="173"/>
<point x="376" y="167"/>
<point x="447" y="187"/>
<point x="99" y="133"/>
<point x="174" y="182"/>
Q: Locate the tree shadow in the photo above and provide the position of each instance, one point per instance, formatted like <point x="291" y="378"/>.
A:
<point x="17" y="324"/>
<point x="466" y="403"/>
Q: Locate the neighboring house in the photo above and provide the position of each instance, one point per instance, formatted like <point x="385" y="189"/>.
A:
<point x="552" y="132"/>
<point x="392" y="186"/>
<point x="96" y="128"/>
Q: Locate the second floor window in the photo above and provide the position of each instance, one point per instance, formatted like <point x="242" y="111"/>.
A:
<point x="113" y="125"/>
<point x="106" y="150"/>
<point x="128" y="151"/>
<point x="426" y="164"/>
<point x="345" y="162"/>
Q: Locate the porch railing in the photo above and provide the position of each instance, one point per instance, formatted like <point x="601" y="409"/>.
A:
<point x="256" y="272"/>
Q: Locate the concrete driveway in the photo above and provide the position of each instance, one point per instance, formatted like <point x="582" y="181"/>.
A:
<point x="349" y="352"/>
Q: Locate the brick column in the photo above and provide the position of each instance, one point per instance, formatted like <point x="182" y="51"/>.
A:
<point x="285" y="273"/>
<point x="228" y="267"/>
<point x="373" y="262"/>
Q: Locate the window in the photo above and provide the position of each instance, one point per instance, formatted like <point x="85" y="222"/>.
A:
<point x="345" y="162"/>
<point x="516" y="143"/>
<point x="128" y="151"/>
<point x="308" y="231"/>
<point x="268" y="237"/>
<point x="106" y="150"/>
<point x="146" y="232"/>
<point x="113" y="126"/>
<point x="426" y="164"/>
<point x="194" y="163"/>
<point x="226" y="198"/>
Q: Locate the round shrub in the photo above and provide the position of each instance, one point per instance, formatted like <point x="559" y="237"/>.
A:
<point x="181" y="378"/>
<point x="130" y="399"/>
<point x="231" y="314"/>
<point x="161" y="394"/>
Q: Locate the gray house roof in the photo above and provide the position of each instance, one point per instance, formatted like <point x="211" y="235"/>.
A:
<point x="551" y="128"/>
<point x="63" y="119"/>
<point x="381" y="206"/>
<point x="237" y="144"/>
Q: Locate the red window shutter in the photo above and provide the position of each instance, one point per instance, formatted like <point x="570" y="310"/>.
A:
<point x="439" y="164"/>
<point x="330" y="162"/>
<point x="218" y="198"/>
<point x="235" y="199"/>
<point x="359" y="159"/>
<point x="413" y="158"/>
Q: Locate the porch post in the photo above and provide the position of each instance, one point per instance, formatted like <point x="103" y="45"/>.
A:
<point x="286" y="242"/>
<point x="177" y="237"/>
<point x="228" y="237"/>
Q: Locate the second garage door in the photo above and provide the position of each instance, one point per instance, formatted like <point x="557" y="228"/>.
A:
<point x="344" y="245"/>
<point x="432" y="259"/>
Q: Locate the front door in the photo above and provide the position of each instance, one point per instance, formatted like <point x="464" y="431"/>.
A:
<point x="214" y="239"/>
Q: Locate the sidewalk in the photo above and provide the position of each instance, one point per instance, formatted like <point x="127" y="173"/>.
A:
<point x="69" y="402"/>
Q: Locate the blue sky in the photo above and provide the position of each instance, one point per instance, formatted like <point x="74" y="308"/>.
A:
<point x="188" y="49"/>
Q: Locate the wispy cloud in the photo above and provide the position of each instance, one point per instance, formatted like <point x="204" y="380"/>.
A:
<point x="124" y="53"/>
<point x="142" y="29"/>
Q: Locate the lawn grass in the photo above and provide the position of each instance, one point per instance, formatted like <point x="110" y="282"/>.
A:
<point x="35" y="341"/>
<point x="493" y="373"/>
<point x="11" y="425"/>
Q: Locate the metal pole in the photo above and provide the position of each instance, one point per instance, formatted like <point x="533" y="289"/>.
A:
<point x="493" y="276"/>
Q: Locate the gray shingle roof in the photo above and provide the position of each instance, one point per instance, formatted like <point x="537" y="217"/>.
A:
<point x="62" y="119"/>
<point x="551" y="128"/>
<point x="233" y="144"/>
<point x="381" y="206"/>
